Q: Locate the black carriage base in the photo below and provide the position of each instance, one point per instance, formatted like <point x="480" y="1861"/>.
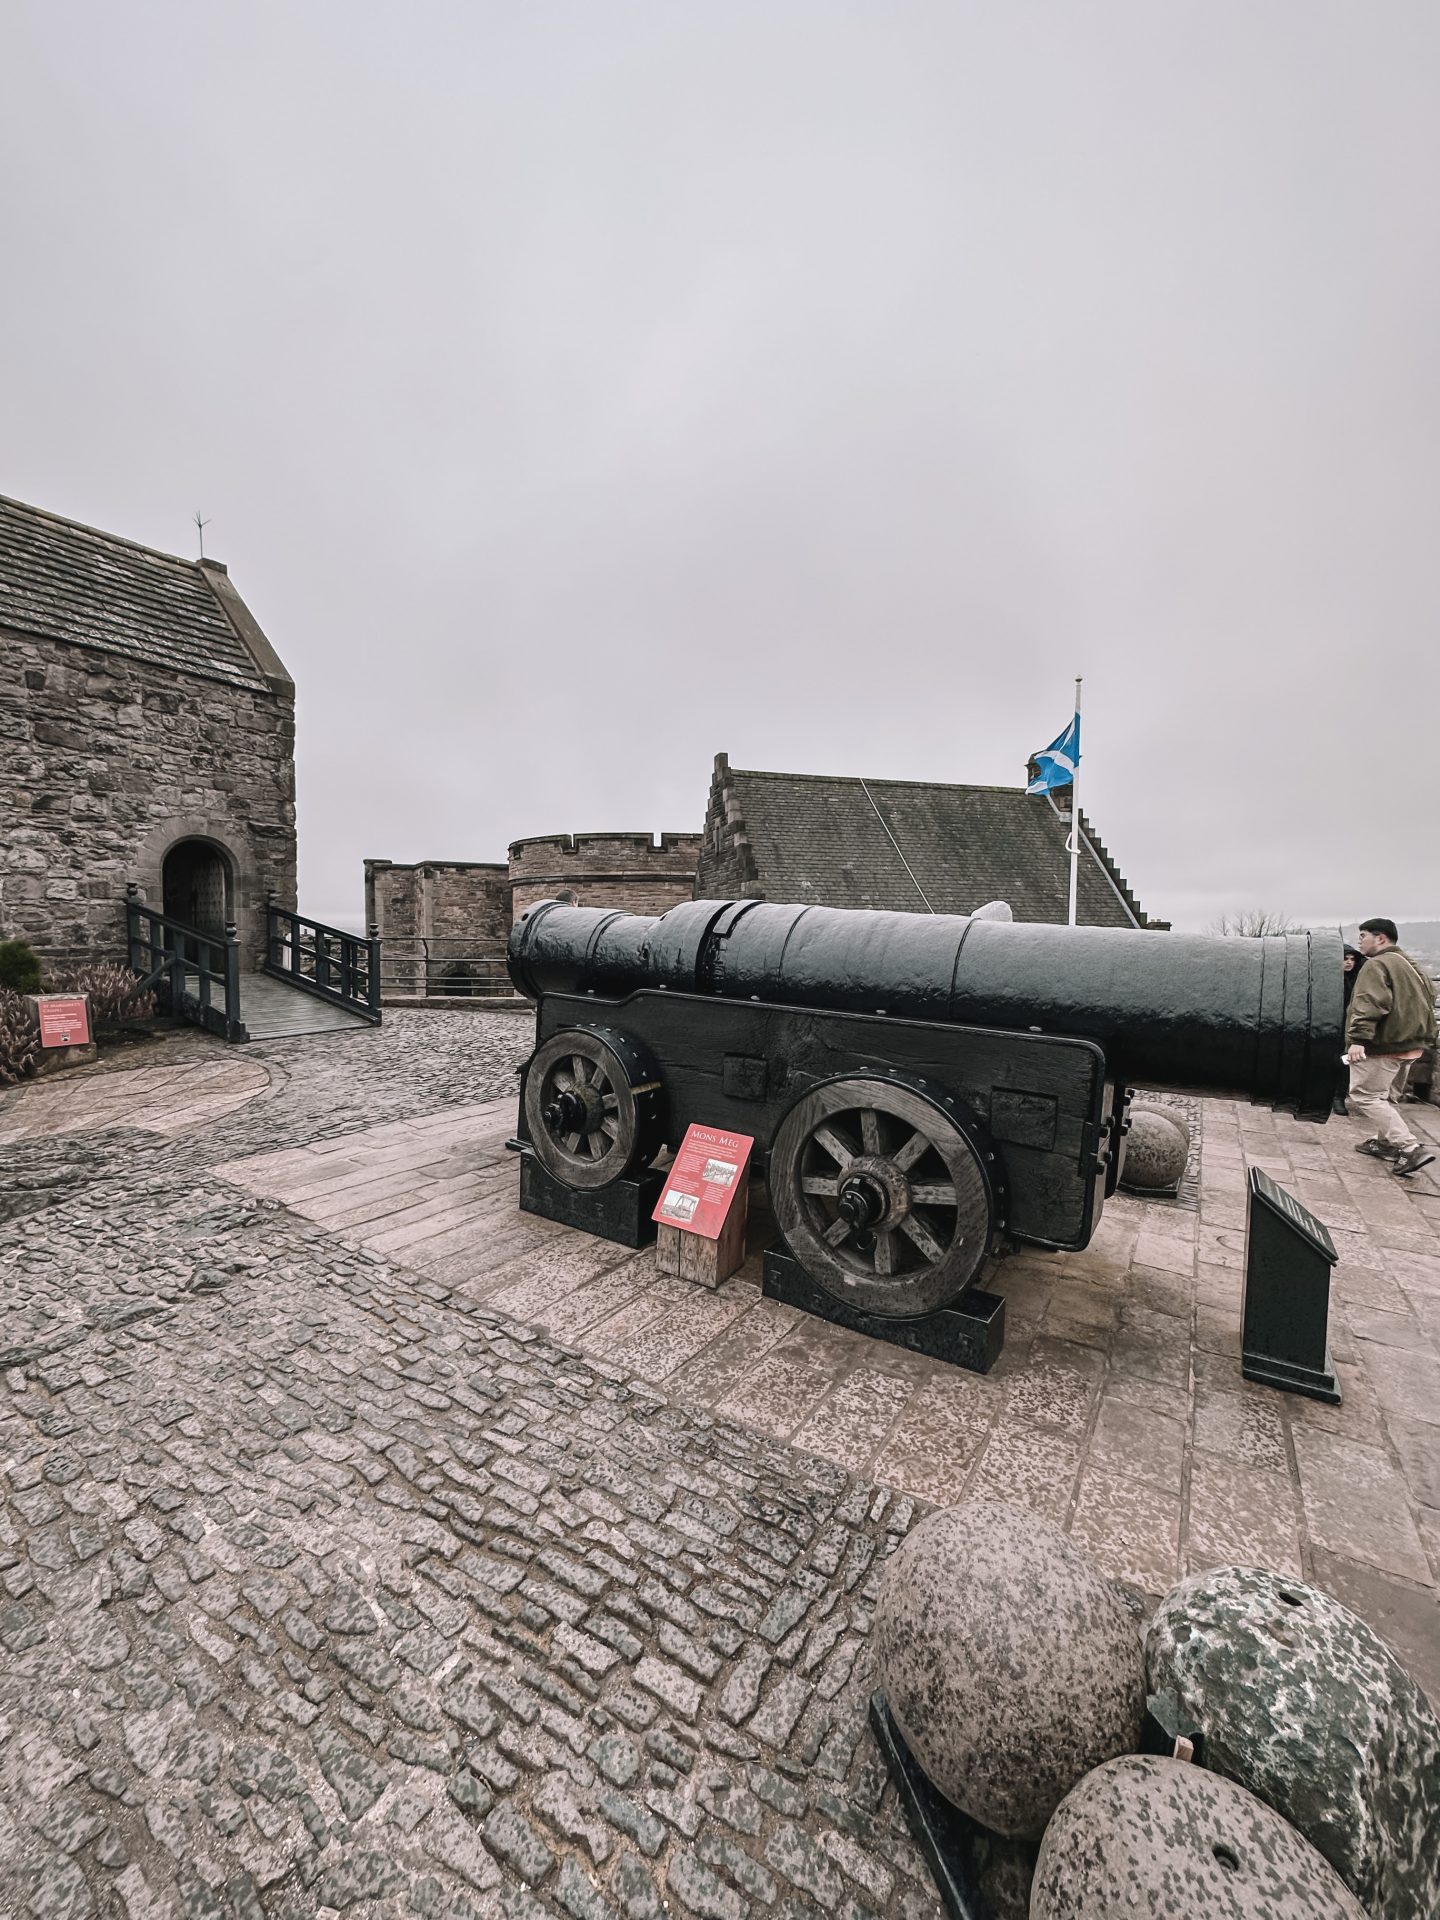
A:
<point x="922" y="1091"/>
<point x="885" y="1181"/>
<point x="970" y="1334"/>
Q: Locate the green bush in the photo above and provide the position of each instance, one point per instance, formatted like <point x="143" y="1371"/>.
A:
<point x="19" y="969"/>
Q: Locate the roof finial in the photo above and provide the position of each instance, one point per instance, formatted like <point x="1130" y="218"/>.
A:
<point x="200" y="526"/>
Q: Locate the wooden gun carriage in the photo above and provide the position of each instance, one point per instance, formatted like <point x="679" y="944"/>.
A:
<point x="917" y="1086"/>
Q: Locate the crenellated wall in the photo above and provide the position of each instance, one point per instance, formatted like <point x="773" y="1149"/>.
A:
<point x="637" y="872"/>
<point x="445" y="922"/>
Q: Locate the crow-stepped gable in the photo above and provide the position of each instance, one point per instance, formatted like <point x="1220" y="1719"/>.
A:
<point x="905" y="846"/>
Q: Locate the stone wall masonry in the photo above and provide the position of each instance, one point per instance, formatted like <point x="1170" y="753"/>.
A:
<point x="436" y="914"/>
<point x="454" y="901"/>
<point x="105" y="762"/>
<point x="634" y="872"/>
<point x="626" y="892"/>
<point x="462" y="910"/>
<point x="392" y="900"/>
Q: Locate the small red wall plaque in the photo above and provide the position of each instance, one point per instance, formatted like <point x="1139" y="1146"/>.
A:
<point x="707" y="1195"/>
<point x="64" y="1020"/>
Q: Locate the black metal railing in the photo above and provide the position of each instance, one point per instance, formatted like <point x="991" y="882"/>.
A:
<point x="441" y="967"/>
<point x="196" y="974"/>
<point x="339" y="967"/>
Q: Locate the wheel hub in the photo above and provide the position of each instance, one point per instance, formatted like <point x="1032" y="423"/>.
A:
<point x="863" y="1202"/>
<point x="874" y="1192"/>
<point x="571" y="1112"/>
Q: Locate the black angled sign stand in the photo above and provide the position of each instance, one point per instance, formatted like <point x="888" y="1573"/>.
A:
<point x="1285" y="1330"/>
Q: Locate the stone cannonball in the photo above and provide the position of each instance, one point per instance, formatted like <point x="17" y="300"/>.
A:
<point x="1010" y="1666"/>
<point x="1145" y="1837"/>
<point x="1175" y="1115"/>
<point x="1156" y="1151"/>
<point x="1303" y="1705"/>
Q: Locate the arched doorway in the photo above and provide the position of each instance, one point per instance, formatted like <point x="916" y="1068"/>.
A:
<point x="198" y="887"/>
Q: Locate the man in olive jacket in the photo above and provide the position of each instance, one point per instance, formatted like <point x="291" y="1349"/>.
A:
<point x="1390" y="1023"/>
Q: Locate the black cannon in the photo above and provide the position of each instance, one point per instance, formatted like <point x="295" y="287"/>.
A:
<point x="915" y="1085"/>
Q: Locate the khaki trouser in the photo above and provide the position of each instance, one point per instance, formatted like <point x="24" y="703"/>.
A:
<point x="1374" y="1087"/>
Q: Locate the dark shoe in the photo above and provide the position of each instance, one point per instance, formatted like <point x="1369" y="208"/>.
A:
<point x="1412" y="1160"/>
<point x="1339" y="1106"/>
<point x="1378" y="1149"/>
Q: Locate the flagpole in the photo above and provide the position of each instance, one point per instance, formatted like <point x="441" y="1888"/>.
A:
<point x="1075" y="817"/>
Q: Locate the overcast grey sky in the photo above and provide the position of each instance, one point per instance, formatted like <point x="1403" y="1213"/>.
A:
<point x="576" y="390"/>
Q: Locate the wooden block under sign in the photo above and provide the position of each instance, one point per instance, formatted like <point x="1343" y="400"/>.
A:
<point x="690" y="1256"/>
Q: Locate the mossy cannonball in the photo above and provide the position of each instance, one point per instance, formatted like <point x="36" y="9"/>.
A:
<point x="1307" y="1708"/>
<point x="1010" y="1666"/>
<point x="1158" y="1839"/>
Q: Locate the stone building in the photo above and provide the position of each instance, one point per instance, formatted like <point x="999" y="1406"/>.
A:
<point x="445" y="922"/>
<point x="147" y="735"/>
<point x="837" y="840"/>
<point x="907" y="845"/>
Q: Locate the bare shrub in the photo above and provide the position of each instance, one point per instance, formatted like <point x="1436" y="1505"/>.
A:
<point x="19" y="1038"/>
<point x="108" y="985"/>
<point x="1252" y="922"/>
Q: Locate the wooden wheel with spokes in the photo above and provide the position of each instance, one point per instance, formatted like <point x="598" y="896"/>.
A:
<point x="884" y="1194"/>
<point x="592" y="1107"/>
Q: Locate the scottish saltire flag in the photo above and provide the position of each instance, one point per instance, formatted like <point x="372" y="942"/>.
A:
<point x="1055" y="765"/>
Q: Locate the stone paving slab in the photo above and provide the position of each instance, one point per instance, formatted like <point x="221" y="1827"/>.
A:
<point x="367" y="1547"/>
<point x="1120" y="1383"/>
<point x="160" y="1099"/>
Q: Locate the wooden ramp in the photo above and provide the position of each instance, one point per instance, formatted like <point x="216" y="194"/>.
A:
<point x="274" y="1010"/>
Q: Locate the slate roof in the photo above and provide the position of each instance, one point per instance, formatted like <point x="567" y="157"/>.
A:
<point x="62" y="581"/>
<point x="826" y="839"/>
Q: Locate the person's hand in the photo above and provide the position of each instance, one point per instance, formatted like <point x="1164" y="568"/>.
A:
<point x="1355" y="1055"/>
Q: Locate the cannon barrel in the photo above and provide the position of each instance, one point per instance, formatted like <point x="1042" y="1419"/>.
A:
<point x="1255" y="1018"/>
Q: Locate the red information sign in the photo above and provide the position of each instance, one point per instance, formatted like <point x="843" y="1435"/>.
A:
<point x="701" y="1186"/>
<point x="64" y="1020"/>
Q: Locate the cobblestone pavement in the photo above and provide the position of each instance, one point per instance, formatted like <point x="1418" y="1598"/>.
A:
<point x="1118" y="1407"/>
<point x="315" y="1088"/>
<point x="333" y="1583"/>
<point x="326" y="1589"/>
